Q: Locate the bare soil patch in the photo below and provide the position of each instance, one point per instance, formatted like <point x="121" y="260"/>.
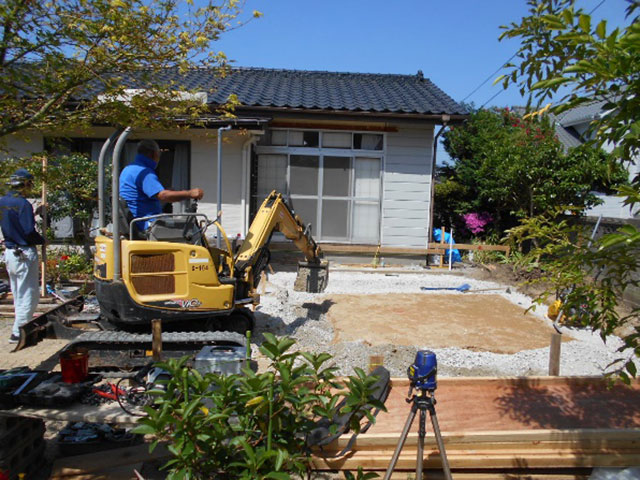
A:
<point x="473" y="322"/>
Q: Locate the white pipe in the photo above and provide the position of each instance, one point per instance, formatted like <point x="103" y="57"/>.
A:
<point x="219" y="207"/>
<point x="450" y="247"/>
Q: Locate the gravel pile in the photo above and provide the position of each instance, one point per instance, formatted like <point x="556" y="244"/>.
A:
<point x="303" y="316"/>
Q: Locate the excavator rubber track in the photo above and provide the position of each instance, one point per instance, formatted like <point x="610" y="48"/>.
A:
<point x="117" y="351"/>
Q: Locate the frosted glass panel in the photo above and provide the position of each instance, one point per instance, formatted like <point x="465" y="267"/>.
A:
<point x="303" y="139"/>
<point x="367" y="178"/>
<point x="365" y="224"/>
<point x="335" y="219"/>
<point x="336" y="176"/>
<point x="304" y="175"/>
<point x="307" y="209"/>
<point x="272" y="174"/>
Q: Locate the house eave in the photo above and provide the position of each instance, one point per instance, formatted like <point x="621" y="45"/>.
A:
<point x="284" y="112"/>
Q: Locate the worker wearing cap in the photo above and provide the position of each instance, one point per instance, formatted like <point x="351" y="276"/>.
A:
<point x="141" y="188"/>
<point x="21" y="257"/>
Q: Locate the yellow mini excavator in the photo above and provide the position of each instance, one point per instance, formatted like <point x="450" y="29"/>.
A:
<point x="170" y="272"/>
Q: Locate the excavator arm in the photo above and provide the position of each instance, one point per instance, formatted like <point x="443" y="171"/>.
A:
<point x="275" y="215"/>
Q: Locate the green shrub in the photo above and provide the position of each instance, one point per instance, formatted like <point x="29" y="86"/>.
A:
<point x="252" y="426"/>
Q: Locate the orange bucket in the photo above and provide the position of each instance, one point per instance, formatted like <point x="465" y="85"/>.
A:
<point x="74" y="365"/>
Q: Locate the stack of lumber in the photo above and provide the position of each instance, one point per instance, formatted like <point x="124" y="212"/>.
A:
<point x="547" y="427"/>
<point x="6" y="306"/>
<point x="113" y="464"/>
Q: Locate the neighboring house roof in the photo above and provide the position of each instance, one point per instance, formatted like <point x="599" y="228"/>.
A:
<point x="318" y="90"/>
<point x="584" y="113"/>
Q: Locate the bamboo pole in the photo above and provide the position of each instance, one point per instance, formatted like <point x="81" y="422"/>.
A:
<point x="156" y="339"/>
<point x="43" y="214"/>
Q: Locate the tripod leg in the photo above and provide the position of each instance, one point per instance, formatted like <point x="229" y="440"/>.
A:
<point x="440" y="442"/>
<point x="403" y="438"/>
<point x="422" y="431"/>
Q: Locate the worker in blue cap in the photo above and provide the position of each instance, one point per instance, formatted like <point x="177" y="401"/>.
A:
<point x="21" y="256"/>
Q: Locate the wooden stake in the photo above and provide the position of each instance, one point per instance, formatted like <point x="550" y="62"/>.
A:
<point x="554" y="354"/>
<point x="156" y="339"/>
<point x="43" y="214"/>
<point x="375" y="361"/>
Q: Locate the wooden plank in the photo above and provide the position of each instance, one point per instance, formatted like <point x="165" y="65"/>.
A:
<point x="581" y="437"/>
<point x="482" y="459"/>
<point x="367" y="249"/>
<point x="95" y="462"/>
<point x="479" y="247"/>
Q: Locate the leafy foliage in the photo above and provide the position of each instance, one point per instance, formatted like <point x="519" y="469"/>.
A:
<point x="563" y="47"/>
<point x="514" y="168"/>
<point x="252" y="426"/>
<point x="63" y="61"/>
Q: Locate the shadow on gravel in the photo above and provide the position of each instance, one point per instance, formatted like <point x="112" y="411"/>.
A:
<point x="309" y="312"/>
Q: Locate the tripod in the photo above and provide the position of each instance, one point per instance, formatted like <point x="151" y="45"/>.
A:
<point x="423" y="402"/>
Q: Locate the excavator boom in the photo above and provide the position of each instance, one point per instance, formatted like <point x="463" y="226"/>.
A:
<point x="275" y="215"/>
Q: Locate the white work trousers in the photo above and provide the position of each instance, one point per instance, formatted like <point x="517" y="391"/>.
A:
<point x="23" y="274"/>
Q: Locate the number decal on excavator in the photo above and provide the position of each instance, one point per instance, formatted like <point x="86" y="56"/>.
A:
<point x="199" y="268"/>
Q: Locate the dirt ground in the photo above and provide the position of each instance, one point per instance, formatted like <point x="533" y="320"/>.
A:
<point x="457" y="320"/>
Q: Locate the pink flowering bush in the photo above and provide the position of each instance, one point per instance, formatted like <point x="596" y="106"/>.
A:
<point x="476" y="222"/>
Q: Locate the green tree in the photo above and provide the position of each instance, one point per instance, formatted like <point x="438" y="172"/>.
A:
<point x="72" y="183"/>
<point x="566" y="56"/>
<point x="63" y="62"/>
<point x="515" y="168"/>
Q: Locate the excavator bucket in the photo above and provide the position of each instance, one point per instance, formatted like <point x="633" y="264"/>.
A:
<point x="312" y="277"/>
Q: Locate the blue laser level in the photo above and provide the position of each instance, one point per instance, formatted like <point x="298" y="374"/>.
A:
<point x="422" y="373"/>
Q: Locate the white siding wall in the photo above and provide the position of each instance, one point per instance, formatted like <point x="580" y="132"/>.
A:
<point x="406" y="188"/>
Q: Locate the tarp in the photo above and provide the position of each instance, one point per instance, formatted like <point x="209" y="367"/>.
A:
<point x="437" y="237"/>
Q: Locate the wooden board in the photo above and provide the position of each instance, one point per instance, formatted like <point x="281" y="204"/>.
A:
<point x="506" y="423"/>
<point x="91" y="465"/>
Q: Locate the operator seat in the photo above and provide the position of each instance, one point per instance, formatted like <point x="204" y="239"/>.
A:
<point x="125" y="217"/>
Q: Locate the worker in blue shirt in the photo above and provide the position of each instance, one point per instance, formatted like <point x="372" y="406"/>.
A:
<point x="20" y="256"/>
<point x="141" y="188"/>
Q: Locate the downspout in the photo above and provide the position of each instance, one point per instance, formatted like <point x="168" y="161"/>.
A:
<point x="101" y="193"/>
<point x="219" y="208"/>
<point x="445" y="120"/>
<point x="246" y="179"/>
<point x="115" y="201"/>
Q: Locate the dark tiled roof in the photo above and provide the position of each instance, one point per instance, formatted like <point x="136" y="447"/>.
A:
<point x="333" y="91"/>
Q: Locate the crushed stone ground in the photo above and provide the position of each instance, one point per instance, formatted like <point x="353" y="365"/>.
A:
<point x="306" y="317"/>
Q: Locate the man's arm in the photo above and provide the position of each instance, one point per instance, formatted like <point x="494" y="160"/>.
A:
<point x="171" y="196"/>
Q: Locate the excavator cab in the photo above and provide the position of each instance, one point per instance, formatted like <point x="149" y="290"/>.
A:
<point x="170" y="272"/>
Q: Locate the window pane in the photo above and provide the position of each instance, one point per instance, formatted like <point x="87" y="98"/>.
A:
<point x="304" y="175"/>
<point x="303" y="139"/>
<point x="337" y="173"/>
<point x="279" y="137"/>
<point x="273" y="137"/>
<point x="307" y="210"/>
<point x="366" y="218"/>
<point x="367" y="178"/>
<point x="335" y="219"/>
<point x="336" y="140"/>
<point x="272" y="174"/>
<point x="367" y="141"/>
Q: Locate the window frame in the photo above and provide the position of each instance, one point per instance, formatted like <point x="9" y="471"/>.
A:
<point x="321" y="153"/>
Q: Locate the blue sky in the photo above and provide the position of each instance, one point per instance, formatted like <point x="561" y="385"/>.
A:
<point x="455" y="43"/>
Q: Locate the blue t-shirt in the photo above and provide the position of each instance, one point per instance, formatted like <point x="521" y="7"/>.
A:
<point x="17" y="222"/>
<point x="139" y="185"/>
